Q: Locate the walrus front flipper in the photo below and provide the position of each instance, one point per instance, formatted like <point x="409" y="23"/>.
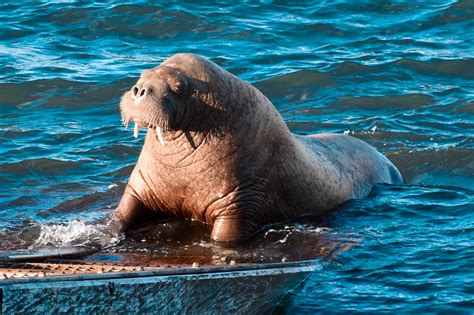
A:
<point x="125" y="214"/>
<point x="233" y="229"/>
<point x="44" y="253"/>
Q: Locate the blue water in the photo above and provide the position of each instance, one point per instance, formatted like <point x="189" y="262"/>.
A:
<point x="399" y="75"/>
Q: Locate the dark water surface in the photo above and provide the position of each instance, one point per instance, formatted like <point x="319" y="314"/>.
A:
<point x="399" y="75"/>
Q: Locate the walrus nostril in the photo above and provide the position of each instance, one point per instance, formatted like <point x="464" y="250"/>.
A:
<point x="135" y="91"/>
<point x="142" y="92"/>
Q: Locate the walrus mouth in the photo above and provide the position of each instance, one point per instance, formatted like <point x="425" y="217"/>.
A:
<point x="140" y="123"/>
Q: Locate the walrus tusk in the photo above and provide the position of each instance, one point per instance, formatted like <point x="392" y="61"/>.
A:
<point x="160" y="136"/>
<point x="136" y="130"/>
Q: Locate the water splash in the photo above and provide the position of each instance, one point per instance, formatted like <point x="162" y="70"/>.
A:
<point x="77" y="232"/>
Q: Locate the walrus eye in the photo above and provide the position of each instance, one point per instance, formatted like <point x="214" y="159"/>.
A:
<point x="178" y="87"/>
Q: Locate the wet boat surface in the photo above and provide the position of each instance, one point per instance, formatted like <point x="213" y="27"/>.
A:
<point x="67" y="285"/>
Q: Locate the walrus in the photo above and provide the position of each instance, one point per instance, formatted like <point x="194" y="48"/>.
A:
<point x="217" y="151"/>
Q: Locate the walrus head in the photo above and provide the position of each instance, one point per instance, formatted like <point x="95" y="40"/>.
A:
<point x="155" y="101"/>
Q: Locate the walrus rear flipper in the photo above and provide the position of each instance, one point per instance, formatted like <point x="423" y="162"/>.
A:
<point x="395" y="176"/>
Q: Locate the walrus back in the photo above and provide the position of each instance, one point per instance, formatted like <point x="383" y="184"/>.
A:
<point x="354" y="152"/>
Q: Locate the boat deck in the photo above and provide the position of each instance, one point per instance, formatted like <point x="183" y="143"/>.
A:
<point x="10" y="270"/>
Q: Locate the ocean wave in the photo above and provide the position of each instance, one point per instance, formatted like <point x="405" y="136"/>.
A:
<point x="41" y="165"/>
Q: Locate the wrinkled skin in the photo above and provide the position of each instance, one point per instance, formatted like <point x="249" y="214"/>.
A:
<point x="217" y="151"/>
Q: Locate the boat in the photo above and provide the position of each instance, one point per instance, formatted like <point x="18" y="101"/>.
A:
<point x="56" y="280"/>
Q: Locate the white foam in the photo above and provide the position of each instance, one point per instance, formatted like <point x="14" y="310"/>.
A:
<point x="77" y="232"/>
<point x="288" y="230"/>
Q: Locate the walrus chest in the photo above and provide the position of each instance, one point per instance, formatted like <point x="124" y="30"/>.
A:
<point x="186" y="185"/>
